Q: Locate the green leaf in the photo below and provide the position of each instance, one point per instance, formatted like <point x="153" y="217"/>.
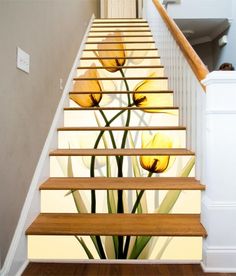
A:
<point x="138" y="247"/>
<point x="142" y="208"/>
<point x="165" y="207"/>
<point x="83" y="244"/>
<point x="165" y="245"/>
<point x="111" y="247"/>
<point x="172" y="196"/>
<point x="79" y="203"/>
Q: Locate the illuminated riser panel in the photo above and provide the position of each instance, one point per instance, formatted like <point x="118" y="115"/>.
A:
<point x="81" y="166"/>
<point x="59" y="202"/>
<point x="128" y="53"/>
<point x="120" y="28"/>
<point x="128" y="62"/>
<point x="124" y="33"/>
<point x="130" y="72"/>
<point x="79" y="139"/>
<point x="118" y="85"/>
<point x="126" y="46"/>
<point x="68" y="248"/>
<point x="138" y="118"/>
<point x="124" y="39"/>
<point x="120" y="24"/>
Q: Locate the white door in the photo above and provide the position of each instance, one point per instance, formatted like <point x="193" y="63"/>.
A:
<point x="118" y="8"/>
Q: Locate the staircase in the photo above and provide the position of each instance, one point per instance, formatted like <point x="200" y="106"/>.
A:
<point x="122" y="173"/>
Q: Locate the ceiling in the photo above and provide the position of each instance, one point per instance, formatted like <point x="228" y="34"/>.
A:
<point x="202" y="30"/>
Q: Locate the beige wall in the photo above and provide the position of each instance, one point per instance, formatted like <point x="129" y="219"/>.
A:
<point x="51" y="32"/>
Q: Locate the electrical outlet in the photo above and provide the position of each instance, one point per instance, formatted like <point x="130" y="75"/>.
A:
<point x="22" y="60"/>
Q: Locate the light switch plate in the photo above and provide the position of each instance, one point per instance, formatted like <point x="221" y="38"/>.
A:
<point x="22" y="60"/>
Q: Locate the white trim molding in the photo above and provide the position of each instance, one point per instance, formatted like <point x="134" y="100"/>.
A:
<point x="219" y="200"/>
<point x="17" y="258"/>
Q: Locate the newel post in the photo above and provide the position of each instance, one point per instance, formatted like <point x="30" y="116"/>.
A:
<point x="219" y="172"/>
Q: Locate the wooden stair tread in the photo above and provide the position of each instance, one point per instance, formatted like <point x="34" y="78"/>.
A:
<point x="118" y="22"/>
<point x="123" y="92"/>
<point x="118" y="128"/>
<point x="122" y="183"/>
<point x="121" y="78"/>
<point x="117" y="224"/>
<point x="131" y="49"/>
<point x="123" y="42"/>
<point x="118" y="18"/>
<point x="123" y="67"/>
<point x="122" y="26"/>
<point x="121" y="108"/>
<point x="114" y="36"/>
<point x="102" y="58"/>
<point x="121" y="152"/>
<point x="123" y="31"/>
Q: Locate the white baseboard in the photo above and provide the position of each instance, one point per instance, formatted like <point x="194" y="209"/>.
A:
<point x="219" y="260"/>
<point x="219" y="248"/>
<point x="22" y="268"/>
<point x="114" y="261"/>
<point x="17" y="254"/>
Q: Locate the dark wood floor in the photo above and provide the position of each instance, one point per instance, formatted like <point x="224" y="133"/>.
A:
<point x="57" y="269"/>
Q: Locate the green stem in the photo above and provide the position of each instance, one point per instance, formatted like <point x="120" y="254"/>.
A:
<point x="93" y="192"/>
<point x="93" y="196"/>
<point x="120" y="206"/>
<point x="136" y="204"/>
<point x="92" y="166"/>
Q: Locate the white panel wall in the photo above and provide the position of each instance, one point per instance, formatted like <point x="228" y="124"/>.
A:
<point x="201" y="9"/>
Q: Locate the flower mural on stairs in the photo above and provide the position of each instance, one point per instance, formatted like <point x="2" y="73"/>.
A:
<point x="123" y="247"/>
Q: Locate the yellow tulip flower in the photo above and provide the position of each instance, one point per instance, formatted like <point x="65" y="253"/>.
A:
<point x="142" y="99"/>
<point x="87" y="100"/>
<point x="117" y="57"/>
<point x="155" y="164"/>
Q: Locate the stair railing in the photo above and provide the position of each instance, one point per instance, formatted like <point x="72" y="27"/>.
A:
<point x="184" y="69"/>
<point x="210" y="119"/>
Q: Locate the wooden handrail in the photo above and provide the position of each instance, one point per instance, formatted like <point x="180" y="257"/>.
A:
<point x="192" y="57"/>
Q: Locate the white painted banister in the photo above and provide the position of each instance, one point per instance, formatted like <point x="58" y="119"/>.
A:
<point x="208" y="109"/>
<point x="189" y="94"/>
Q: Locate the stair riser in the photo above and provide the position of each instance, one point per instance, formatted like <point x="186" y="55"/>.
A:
<point x="133" y="62"/>
<point x="141" y="53"/>
<point x="81" y="166"/>
<point x="56" y="201"/>
<point x="73" y="118"/>
<point x="78" y="139"/>
<point x="68" y="248"/>
<point x="123" y="39"/>
<point x="117" y="24"/>
<point x="127" y="46"/>
<point x="118" y="100"/>
<point x="124" y="33"/>
<point x="120" y="28"/>
<point x="130" y="72"/>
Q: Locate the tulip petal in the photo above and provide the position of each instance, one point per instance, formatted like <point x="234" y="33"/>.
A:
<point x="118" y="56"/>
<point x="87" y="100"/>
<point x="142" y="99"/>
<point x="155" y="164"/>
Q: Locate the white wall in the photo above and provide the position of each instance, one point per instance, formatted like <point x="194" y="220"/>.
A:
<point x="228" y="52"/>
<point x="201" y="9"/>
